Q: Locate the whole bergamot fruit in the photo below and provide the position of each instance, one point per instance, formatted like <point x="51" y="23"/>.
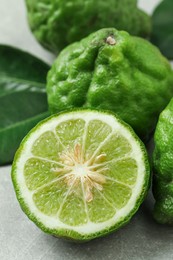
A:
<point x="81" y="174"/>
<point x="163" y="167"/>
<point x="114" y="71"/>
<point x="57" y="23"/>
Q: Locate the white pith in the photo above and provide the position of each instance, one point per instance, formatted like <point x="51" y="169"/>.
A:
<point x="89" y="227"/>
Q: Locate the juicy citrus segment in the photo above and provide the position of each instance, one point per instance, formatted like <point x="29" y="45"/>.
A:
<point x="106" y="210"/>
<point x="47" y="146"/>
<point x="124" y="170"/>
<point x="73" y="209"/>
<point x="48" y="199"/>
<point x="117" y="146"/>
<point x="97" y="132"/>
<point x="39" y="172"/>
<point x="71" y="132"/>
<point x="116" y="193"/>
<point x="82" y="171"/>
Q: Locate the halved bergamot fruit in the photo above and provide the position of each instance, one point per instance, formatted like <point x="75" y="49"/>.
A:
<point x="81" y="174"/>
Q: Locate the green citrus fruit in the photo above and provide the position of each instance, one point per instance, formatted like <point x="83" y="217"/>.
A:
<point x="114" y="71"/>
<point x="81" y="174"/>
<point x="57" y="23"/>
<point x="163" y="167"/>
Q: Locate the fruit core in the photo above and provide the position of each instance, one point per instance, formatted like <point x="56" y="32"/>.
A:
<point x="84" y="171"/>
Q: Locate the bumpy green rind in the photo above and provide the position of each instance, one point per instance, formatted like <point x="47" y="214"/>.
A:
<point x="130" y="78"/>
<point x="70" y="234"/>
<point x="163" y="167"/>
<point x="57" y="23"/>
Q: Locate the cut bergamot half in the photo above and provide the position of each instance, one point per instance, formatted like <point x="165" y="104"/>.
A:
<point x="81" y="174"/>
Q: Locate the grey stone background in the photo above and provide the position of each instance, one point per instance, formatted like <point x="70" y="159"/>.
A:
<point x="20" y="239"/>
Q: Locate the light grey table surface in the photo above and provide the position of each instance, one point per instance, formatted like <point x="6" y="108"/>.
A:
<point x="20" y="239"/>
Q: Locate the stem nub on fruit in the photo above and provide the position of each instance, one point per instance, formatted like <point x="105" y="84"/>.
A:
<point x="110" y="40"/>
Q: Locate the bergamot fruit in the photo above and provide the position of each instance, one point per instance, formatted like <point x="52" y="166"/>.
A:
<point x="81" y="174"/>
<point x="163" y="167"/>
<point x="114" y="71"/>
<point x="57" y="23"/>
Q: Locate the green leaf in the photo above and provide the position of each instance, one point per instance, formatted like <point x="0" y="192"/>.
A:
<point x="162" y="34"/>
<point x="23" y="100"/>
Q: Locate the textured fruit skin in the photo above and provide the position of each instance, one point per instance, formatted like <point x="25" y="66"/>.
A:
<point x="70" y="234"/>
<point x="57" y="23"/>
<point x="130" y="78"/>
<point x="163" y="167"/>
